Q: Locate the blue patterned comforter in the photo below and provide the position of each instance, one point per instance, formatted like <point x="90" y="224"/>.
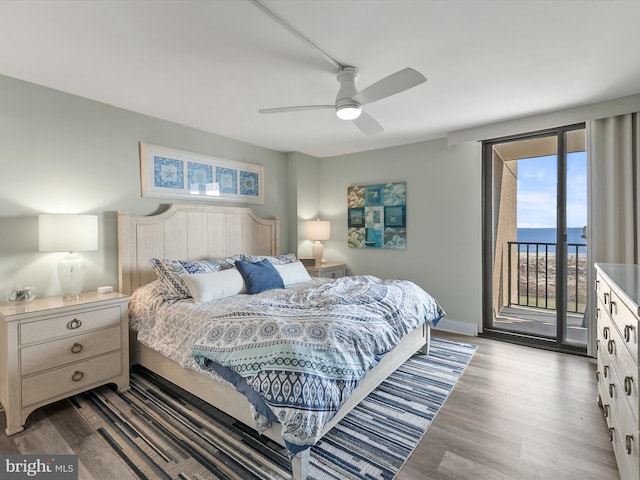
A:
<point x="305" y="350"/>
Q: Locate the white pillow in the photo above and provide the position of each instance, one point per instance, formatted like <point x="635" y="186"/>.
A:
<point x="208" y="286"/>
<point x="293" y="273"/>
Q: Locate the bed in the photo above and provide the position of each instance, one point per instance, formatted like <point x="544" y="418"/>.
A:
<point x="195" y="232"/>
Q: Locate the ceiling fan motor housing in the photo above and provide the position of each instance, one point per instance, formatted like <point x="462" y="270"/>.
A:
<point x="346" y="107"/>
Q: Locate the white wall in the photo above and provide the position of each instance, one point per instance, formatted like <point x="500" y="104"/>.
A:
<point x="444" y="221"/>
<point x="64" y="154"/>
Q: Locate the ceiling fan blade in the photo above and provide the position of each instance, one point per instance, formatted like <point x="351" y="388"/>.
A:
<point x="367" y="124"/>
<point x="296" y="109"/>
<point x="394" y="83"/>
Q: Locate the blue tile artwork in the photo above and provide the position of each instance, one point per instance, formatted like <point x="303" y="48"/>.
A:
<point x="249" y="183"/>
<point x="168" y="173"/>
<point x="227" y="178"/>
<point x="377" y="216"/>
<point x="200" y="176"/>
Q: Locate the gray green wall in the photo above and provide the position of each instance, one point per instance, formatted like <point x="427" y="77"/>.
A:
<point x="444" y="227"/>
<point x="60" y="153"/>
<point x="64" y="154"/>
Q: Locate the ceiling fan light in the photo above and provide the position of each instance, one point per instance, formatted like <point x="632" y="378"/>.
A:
<point x="348" y="112"/>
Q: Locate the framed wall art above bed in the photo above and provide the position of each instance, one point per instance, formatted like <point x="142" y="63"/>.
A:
<point x="170" y="173"/>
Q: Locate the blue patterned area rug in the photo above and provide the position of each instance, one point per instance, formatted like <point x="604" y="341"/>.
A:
<point x="161" y="431"/>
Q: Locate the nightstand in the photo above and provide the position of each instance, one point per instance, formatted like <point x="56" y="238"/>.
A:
<point x="328" y="270"/>
<point x="51" y="349"/>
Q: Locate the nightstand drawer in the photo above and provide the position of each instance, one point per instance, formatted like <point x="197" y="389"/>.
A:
<point x="65" y="325"/>
<point x="67" y="350"/>
<point x="328" y="270"/>
<point x="65" y="381"/>
<point x="333" y="273"/>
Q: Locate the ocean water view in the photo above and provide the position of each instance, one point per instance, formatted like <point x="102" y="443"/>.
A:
<point x="548" y="235"/>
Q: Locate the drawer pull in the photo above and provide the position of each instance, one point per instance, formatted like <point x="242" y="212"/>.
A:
<point x="77" y="376"/>
<point x="611" y="305"/>
<point x="612" y="389"/>
<point x="605" y="407"/>
<point x="611" y="346"/>
<point x="628" y="442"/>
<point x="605" y="371"/>
<point x="606" y="298"/>
<point x="611" y="431"/>
<point x="627" y="332"/>
<point x="597" y="376"/>
<point x="605" y="332"/>
<point x="77" y="348"/>
<point x="597" y="344"/>
<point x="73" y="324"/>
<point x="598" y="313"/>
<point x="628" y="384"/>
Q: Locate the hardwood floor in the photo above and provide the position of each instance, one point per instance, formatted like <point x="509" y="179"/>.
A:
<point x="517" y="413"/>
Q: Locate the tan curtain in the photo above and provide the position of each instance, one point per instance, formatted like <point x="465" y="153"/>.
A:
<point x="614" y="179"/>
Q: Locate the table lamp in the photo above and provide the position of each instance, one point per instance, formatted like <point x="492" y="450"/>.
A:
<point x="318" y="230"/>
<point x="69" y="233"/>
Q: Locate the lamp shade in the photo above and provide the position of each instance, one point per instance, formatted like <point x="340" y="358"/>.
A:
<point x="318" y="230"/>
<point x="67" y="233"/>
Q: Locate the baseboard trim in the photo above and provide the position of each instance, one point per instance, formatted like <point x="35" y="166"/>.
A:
<point x="456" y="326"/>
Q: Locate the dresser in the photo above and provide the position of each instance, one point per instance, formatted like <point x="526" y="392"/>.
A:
<point x="617" y="314"/>
<point x="52" y="349"/>
<point x="328" y="270"/>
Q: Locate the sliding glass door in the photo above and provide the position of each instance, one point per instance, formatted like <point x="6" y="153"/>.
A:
<point x="534" y="253"/>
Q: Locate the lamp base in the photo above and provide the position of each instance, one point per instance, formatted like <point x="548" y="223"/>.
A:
<point x="317" y="250"/>
<point x="71" y="276"/>
<point x="71" y="298"/>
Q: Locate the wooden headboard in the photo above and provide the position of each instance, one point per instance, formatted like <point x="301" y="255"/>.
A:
<point x="189" y="232"/>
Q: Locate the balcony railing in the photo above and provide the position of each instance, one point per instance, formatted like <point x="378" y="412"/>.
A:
<point x="532" y="275"/>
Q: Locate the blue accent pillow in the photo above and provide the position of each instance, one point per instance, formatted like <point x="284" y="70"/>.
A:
<point x="259" y="276"/>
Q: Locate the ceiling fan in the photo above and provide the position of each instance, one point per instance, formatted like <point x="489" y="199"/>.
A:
<point x="349" y="102"/>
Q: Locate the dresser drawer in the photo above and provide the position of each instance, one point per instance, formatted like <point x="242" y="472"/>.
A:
<point x="623" y="433"/>
<point x="603" y="291"/>
<point x="64" y="325"/>
<point x="626" y="323"/>
<point x="619" y="390"/>
<point x="44" y="356"/>
<point x="617" y="369"/>
<point x="603" y="376"/>
<point x="66" y="380"/>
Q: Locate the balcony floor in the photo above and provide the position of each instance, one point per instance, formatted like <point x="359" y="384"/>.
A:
<point x="540" y="322"/>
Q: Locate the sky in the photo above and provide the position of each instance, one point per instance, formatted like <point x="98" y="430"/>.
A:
<point x="537" y="182"/>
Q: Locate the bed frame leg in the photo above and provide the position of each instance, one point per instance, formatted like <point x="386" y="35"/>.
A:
<point x="300" y="464"/>
<point x="427" y="335"/>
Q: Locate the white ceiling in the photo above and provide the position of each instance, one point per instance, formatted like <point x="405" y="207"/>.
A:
<point x="212" y="64"/>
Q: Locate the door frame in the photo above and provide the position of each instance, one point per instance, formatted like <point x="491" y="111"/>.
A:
<point x="488" y="248"/>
